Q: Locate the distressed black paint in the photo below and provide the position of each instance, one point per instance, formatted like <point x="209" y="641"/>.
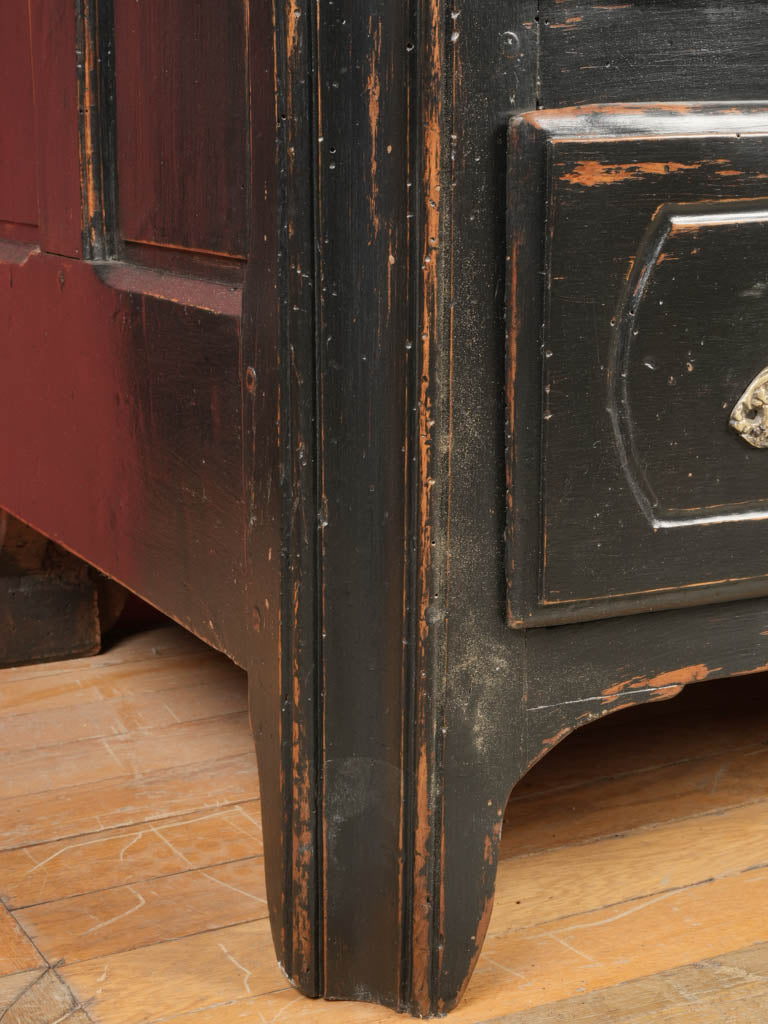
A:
<point x="311" y="461"/>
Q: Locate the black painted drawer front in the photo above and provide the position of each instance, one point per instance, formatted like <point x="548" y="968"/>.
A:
<point x="593" y="51"/>
<point x="638" y="315"/>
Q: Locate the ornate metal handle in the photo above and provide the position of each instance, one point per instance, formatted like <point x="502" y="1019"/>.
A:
<point x="750" y="414"/>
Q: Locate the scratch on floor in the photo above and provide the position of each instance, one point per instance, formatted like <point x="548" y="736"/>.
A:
<point x="224" y="813"/>
<point x="718" y="776"/>
<point x="287" y="1006"/>
<point x="127" y="846"/>
<point x="131" y="910"/>
<point x="171" y="847"/>
<point x="47" y="1000"/>
<point x="172" y="713"/>
<point x="247" y="816"/>
<point x="241" y="892"/>
<point x="503" y="967"/>
<point x="246" y="972"/>
<point x="73" y="846"/>
<point x="578" y="952"/>
<point x="113" y="755"/>
<point x="617" y="917"/>
<point x="738" y="973"/>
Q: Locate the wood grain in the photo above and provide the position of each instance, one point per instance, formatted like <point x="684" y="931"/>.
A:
<point x="119" y="716"/>
<point x="48" y="615"/>
<point x="704" y="728"/>
<point x="159" y="356"/>
<point x="640" y="508"/>
<point x="182" y="136"/>
<point x="563" y="881"/>
<point x="108" y="677"/>
<point x="164" y="642"/>
<point x="589" y="951"/>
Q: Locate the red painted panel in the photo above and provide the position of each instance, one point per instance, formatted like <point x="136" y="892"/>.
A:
<point x="182" y="117"/>
<point x="18" y="189"/>
<point x="121" y="391"/>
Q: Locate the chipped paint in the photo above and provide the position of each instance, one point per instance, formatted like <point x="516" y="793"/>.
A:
<point x="569" y="24"/>
<point x="92" y="183"/>
<point x="600" y="708"/>
<point x="373" y="89"/>
<point x="425" y="883"/>
<point x="675" y="677"/>
<point x="589" y="173"/>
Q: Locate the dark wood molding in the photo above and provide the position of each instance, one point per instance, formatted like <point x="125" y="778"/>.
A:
<point x="359" y="756"/>
<point x="95" y="41"/>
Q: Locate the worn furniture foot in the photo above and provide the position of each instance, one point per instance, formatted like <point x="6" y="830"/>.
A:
<point x="52" y="605"/>
<point x="382" y="846"/>
<point x="380" y="878"/>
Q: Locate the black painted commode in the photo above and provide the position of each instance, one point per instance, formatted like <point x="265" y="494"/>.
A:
<point x="415" y="355"/>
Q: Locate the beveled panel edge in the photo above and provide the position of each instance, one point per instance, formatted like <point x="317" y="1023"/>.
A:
<point x="668" y="219"/>
<point x="644" y="120"/>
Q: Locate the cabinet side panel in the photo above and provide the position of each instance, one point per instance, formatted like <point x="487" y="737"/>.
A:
<point x="18" y="180"/>
<point x="182" y="141"/>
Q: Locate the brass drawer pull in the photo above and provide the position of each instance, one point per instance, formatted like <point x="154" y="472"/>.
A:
<point x="749" y="417"/>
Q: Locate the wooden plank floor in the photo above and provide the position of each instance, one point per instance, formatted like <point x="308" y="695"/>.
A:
<point x="633" y="887"/>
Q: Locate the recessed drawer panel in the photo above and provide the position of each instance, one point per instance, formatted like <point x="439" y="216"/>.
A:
<point x="638" y="322"/>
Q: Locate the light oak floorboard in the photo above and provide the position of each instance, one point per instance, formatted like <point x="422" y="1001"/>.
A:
<point x="638" y="800"/>
<point x="185" y="975"/>
<point x="550" y="885"/>
<point x="633" y="886"/>
<point x="39" y="770"/>
<point x="731" y="989"/>
<point x="110" y="717"/>
<point x="113" y="920"/>
<point x="84" y="809"/>
<point x="150" y="849"/>
<point x="704" y="727"/>
<point x="519" y="969"/>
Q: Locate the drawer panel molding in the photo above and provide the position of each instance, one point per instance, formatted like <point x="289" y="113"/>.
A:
<point x="637" y="312"/>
